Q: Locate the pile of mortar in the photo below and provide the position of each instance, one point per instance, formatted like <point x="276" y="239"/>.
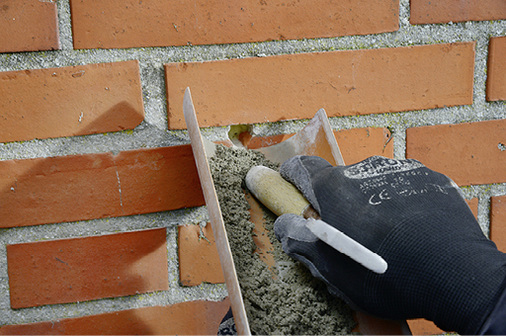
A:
<point x="290" y="301"/>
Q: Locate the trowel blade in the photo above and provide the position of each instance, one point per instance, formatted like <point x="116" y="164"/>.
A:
<point x="316" y="138"/>
<point x="200" y="153"/>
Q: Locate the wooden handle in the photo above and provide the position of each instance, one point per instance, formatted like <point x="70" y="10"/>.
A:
<point x="277" y="194"/>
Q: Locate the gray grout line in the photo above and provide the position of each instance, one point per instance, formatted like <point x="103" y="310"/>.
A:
<point x="65" y="26"/>
<point x="484" y="213"/>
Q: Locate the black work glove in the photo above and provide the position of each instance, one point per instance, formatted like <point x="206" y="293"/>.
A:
<point x="227" y="325"/>
<point x="440" y="264"/>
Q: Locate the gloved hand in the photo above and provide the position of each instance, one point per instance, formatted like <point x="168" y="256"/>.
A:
<point x="440" y="264"/>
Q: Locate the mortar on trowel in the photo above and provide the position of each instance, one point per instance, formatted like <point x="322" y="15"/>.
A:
<point x="316" y="138"/>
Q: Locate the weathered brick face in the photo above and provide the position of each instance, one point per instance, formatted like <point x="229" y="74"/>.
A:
<point x="28" y="26"/>
<point x="167" y="22"/>
<point x="99" y="193"/>
<point x="49" y="103"/>
<point x="294" y="86"/>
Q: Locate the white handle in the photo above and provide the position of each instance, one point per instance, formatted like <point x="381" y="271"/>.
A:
<point x="346" y="245"/>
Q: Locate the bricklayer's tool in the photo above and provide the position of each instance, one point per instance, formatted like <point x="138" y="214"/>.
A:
<point x="316" y="138"/>
<point x="281" y="197"/>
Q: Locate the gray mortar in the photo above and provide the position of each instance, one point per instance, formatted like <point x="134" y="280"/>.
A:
<point x="153" y="133"/>
<point x="294" y="302"/>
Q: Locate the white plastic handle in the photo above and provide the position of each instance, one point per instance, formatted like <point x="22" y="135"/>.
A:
<point x="346" y="245"/>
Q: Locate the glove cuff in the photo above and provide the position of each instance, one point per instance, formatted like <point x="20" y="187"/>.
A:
<point x="494" y="325"/>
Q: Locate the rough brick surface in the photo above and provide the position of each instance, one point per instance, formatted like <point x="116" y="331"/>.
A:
<point x="28" y="25"/>
<point x="264" y="248"/>
<point x="186" y="318"/>
<point x="442" y="11"/>
<point x="361" y="143"/>
<point x="424" y="327"/>
<point x="124" y="24"/>
<point x="87" y="99"/>
<point x="496" y="74"/>
<point x="498" y="222"/>
<point x="243" y="91"/>
<point x="198" y="257"/>
<point x="470" y="153"/>
<point x="473" y="204"/>
<point x="81" y="187"/>
<point x="80" y="269"/>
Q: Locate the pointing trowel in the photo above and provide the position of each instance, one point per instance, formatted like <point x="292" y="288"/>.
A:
<point x="316" y="138"/>
<point x="282" y="197"/>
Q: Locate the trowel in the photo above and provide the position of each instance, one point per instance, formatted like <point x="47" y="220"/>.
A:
<point x="316" y="138"/>
<point x="281" y="197"/>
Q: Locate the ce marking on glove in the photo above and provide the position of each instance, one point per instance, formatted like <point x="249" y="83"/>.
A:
<point x="377" y="199"/>
<point x="384" y="195"/>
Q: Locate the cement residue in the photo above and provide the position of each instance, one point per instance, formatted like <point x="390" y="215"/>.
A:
<point x="291" y="303"/>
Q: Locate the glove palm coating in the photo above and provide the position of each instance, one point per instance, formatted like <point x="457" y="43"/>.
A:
<point x="440" y="264"/>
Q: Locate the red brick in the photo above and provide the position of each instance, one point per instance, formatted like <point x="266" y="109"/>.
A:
<point x="28" y="25"/>
<point x="158" y="179"/>
<point x="496" y="74"/>
<point x="198" y="256"/>
<point x="355" y="144"/>
<point x="265" y="141"/>
<point x="186" y="318"/>
<point x="350" y="82"/>
<point x="361" y="143"/>
<point x="498" y="221"/>
<point x="473" y="204"/>
<point x="442" y="11"/>
<point x="470" y="153"/>
<point x="81" y="269"/>
<point x="78" y="100"/>
<point x="125" y="24"/>
<point x="81" y="187"/>
<point x="264" y="248"/>
<point x="370" y="325"/>
<point x="423" y="327"/>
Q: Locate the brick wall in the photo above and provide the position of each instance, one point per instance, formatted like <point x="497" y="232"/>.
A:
<point x="99" y="197"/>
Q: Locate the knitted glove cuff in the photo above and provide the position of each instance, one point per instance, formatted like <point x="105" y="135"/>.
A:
<point x="494" y="325"/>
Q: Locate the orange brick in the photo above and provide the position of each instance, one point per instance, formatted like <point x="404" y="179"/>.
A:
<point x="355" y="144"/>
<point x="496" y="74"/>
<point x="264" y="141"/>
<point x="423" y="327"/>
<point x="473" y="204"/>
<point x="81" y="187"/>
<point x="470" y="153"/>
<point x="264" y="248"/>
<point x="186" y="318"/>
<point x="442" y="11"/>
<point x="125" y="24"/>
<point x="350" y="82"/>
<point x="498" y="222"/>
<point x="78" y="100"/>
<point x="28" y="26"/>
<point x="198" y="256"/>
<point x="158" y="179"/>
<point x="361" y="143"/>
<point x="81" y="269"/>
